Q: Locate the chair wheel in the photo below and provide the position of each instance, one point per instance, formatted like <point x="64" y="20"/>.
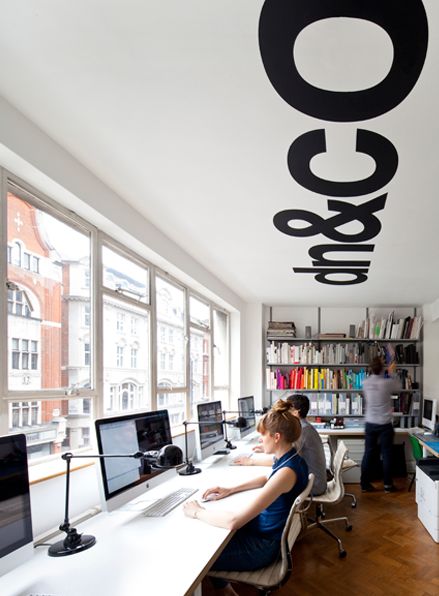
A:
<point x="353" y="505"/>
<point x="342" y="554"/>
<point x="348" y="528"/>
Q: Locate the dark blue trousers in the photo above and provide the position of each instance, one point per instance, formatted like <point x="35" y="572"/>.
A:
<point x="245" y="552"/>
<point x="382" y="433"/>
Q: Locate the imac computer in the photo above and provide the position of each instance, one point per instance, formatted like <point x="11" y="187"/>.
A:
<point x="246" y="409"/>
<point x="429" y="409"/>
<point x="124" y="479"/>
<point x="210" y="429"/>
<point x="16" y="539"/>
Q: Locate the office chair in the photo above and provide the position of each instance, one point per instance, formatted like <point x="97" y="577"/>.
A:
<point x="417" y="454"/>
<point x="348" y="464"/>
<point x="333" y="495"/>
<point x="268" y="579"/>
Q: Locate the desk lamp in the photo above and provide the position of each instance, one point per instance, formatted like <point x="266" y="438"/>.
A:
<point x="74" y="542"/>
<point x="240" y="422"/>
<point x="190" y="469"/>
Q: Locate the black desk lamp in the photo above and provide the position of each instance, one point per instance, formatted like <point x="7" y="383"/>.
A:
<point x="190" y="469"/>
<point x="74" y="542"/>
<point x="240" y="422"/>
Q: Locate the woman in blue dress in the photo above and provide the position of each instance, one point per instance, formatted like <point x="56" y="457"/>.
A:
<point x="259" y="525"/>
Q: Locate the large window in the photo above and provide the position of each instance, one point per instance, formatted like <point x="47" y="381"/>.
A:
<point x="171" y="347"/>
<point x="45" y="299"/>
<point x="49" y="350"/>
<point x="126" y="326"/>
<point x="200" y="352"/>
<point x="78" y="330"/>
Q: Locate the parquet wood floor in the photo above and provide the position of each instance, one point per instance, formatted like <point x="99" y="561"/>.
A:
<point x="390" y="553"/>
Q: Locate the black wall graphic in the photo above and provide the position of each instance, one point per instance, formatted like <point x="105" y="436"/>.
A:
<point x="280" y="23"/>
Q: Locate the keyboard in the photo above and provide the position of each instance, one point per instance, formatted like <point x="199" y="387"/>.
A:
<point x="163" y="506"/>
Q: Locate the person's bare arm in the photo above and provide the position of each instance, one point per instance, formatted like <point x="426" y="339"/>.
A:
<point x="260" y="459"/>
<point x="283" y="481"/>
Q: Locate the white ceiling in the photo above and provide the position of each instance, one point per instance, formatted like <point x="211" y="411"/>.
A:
<point x="169" y="104"/>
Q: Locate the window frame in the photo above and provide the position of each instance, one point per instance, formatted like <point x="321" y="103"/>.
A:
<point x="98" y="239"/>
<point x="11" y="183"/>
<point x="111" y="244"/>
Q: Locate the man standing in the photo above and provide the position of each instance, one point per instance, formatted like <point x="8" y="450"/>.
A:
<point x="377" y="390"/>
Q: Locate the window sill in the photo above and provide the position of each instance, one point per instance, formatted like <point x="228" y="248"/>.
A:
<point x="40" y="472"/>
<point x="55" y="466"/>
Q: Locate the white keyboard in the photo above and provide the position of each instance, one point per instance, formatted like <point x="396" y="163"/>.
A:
<point x="163" y="506"/>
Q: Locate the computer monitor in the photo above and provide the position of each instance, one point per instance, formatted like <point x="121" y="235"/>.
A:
<point x="16" y="539"/>
<point x="429" y="410"/>
<point x="211" y="433"/>
<point x="246" y="409"/>
<point x="124" y="479"/>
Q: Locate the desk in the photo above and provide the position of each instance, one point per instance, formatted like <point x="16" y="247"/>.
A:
<point x="135" y="555"/>
<point x="356" y="448"/>
<point x="429" y="443"/>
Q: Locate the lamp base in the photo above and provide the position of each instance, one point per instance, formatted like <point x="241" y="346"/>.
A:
<point x="62" y="548"/>
<point x="189" y="470"/>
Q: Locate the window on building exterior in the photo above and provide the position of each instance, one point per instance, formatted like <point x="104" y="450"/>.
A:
<point x="87" y="354"/>
<point x="120" y="322"/>
<point x="133" y="357"/>
<point x="134" y="325"/>
<point x="119" y="356"/>
<point x="26" y="261"/>
<point x="24" y="354"/>
<point x="87" y="314"/>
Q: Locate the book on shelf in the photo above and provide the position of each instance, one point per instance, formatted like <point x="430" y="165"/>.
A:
<point x="390" y="327"/>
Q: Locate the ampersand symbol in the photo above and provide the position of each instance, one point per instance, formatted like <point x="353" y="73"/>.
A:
<point x="328" y="227"/>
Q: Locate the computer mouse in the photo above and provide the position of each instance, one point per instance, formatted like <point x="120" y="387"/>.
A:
<point x="210" y="497"/>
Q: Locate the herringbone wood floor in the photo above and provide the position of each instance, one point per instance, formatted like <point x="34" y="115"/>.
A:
<point x="389" y="552"/>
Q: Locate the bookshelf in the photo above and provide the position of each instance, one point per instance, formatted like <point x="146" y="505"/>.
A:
<point x="331" y="364"/>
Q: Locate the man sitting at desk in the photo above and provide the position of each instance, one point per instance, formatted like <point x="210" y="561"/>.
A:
<point x="309" y="446"/>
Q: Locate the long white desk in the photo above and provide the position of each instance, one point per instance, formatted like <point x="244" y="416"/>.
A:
<point x="356" y="449"/>
<point x="135" y="555"/>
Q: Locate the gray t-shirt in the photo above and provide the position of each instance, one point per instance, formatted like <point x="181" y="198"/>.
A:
<point x="310" y="447"/>
<point x="377" y="398"/>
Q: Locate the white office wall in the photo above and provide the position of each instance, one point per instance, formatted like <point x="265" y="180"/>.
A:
<point x="48" y="499"/>
<point x="30" y="154"/>
<point x="252" y="353"/>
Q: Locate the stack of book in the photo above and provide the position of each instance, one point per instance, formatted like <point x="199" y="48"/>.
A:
<point x="284" y="329"/>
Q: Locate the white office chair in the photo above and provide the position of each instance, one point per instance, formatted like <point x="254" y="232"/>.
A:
<point x="333" y="494"/>
<point x="268" y="579"/>
<point x="349" y="464"/>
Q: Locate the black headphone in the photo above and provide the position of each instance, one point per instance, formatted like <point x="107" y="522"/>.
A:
<point x="169" y="456"/>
